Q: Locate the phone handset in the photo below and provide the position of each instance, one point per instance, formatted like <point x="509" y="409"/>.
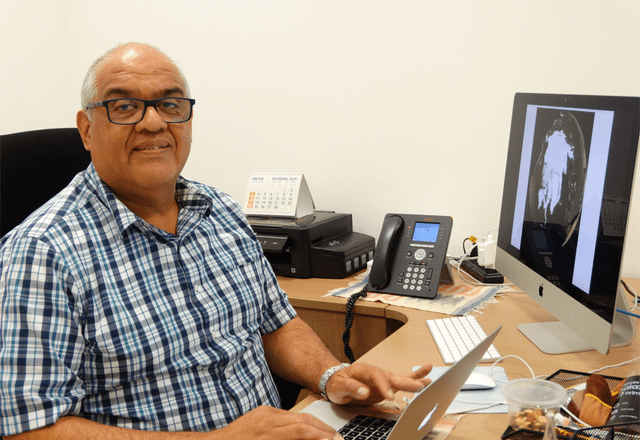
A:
<point x="381" y="268"/>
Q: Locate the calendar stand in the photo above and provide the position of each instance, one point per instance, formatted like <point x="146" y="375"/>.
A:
<point x="278" y="195"/>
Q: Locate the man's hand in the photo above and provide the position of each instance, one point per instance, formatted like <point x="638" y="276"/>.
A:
<point x="262" y="423"/>
<point x="367" y="384"/>
<point x="266" y="423"/>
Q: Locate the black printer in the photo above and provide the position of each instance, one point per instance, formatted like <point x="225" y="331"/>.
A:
<point x="319" y="245"/>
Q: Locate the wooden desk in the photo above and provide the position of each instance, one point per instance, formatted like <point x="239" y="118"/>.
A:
<point x="398" y="339"/>
<point x="325" y="314"/>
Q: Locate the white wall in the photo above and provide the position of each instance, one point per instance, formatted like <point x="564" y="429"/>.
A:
<point x="385" y="106"/>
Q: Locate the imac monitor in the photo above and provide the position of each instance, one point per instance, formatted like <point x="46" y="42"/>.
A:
<point x="565" y="205"/>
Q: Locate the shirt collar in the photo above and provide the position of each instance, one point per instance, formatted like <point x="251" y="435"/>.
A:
<point x="188" y="195"/>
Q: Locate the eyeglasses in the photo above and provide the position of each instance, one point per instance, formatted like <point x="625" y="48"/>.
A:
<point x="128" y="111"/>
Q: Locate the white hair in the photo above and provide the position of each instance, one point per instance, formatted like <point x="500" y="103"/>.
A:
<point x="89" y="89"/>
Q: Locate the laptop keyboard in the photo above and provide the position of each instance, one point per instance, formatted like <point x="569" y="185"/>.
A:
<point x="457" y="336"/>
<point x="363" y="427"/>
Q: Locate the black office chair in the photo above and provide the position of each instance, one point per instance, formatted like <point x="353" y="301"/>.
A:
<point x="35" y="166"/>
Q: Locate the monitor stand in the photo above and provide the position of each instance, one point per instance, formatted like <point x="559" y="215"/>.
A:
<point x="556" y="338"/>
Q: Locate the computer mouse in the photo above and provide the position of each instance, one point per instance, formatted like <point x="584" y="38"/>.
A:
<point x="478" y="381"/>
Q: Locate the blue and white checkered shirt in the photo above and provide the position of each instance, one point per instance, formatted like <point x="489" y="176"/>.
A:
<point x="107" y="317"/>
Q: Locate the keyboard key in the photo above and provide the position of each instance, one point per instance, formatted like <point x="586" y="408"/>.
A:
<point x="363" y="427"/>
<point x="457" y="336"/>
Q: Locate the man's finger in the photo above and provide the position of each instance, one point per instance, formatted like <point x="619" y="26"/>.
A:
<point x="421" y="372"/>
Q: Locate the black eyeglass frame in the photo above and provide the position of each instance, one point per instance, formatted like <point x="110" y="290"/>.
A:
<point x="147" y="103"/>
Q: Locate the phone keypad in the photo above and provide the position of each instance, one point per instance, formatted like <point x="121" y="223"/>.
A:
<point x="416" y="276"/>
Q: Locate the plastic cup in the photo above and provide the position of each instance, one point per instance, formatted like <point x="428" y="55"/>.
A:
<point x="529" y="400"/>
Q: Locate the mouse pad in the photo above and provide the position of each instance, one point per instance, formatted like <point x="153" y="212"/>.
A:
<point x="478" y="402"/>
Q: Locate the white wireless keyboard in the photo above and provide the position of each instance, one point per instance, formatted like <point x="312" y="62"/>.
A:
<point x="457" y="336"/>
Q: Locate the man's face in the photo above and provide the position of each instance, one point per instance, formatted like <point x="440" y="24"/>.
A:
<point x="136" y="160"/>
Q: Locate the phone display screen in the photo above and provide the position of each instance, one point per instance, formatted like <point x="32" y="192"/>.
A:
<point x="426" y="232"/>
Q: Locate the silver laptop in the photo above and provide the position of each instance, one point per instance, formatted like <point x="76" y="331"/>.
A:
<point x="418" y="418"/>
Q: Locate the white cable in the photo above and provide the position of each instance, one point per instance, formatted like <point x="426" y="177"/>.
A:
<point x="472" y="280"/>
<point x="464" y="278"/>
<point x="506" y="357"/>
<point x="491" y="405"/>
<point x="467" y="257"/>
<point x="478" y="408"/>
<point x="534" y="376"/>
<point x="613" y="366"/>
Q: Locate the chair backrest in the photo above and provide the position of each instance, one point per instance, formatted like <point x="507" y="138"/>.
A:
<point x="35" y="166"/>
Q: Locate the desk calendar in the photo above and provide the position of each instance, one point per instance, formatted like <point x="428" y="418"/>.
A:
<point x="278" y="195"/>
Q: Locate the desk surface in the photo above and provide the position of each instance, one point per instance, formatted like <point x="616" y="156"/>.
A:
<point x="412" y="343"/>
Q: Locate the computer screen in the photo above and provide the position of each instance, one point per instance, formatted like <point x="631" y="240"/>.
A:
<point x="565" y="206"/>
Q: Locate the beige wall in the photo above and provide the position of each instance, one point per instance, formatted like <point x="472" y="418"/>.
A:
<point x="385" y="106"/>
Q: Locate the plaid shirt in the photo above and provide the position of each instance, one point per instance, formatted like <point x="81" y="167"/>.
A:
<point x="107" y="317"/>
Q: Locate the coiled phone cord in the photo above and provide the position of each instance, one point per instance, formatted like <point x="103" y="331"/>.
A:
<point x="348" y="322"/>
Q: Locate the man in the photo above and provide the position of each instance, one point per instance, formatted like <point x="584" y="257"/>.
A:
<point x="137" y="304"/>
